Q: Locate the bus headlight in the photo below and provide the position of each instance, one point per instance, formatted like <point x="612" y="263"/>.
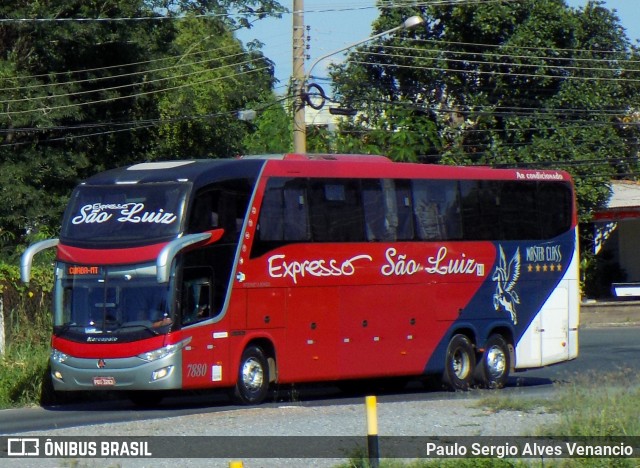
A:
<point x="161" y="373"/>
<point x="163" y="352"/>
<point x="58" y="356"/>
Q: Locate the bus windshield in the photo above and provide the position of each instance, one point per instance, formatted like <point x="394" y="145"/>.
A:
<point x="133" y="213"/>
<point x="99" y="301"/>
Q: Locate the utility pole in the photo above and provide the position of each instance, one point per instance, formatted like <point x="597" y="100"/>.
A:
<point x="299" y="123"/>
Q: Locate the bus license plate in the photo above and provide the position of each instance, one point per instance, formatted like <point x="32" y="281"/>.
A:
<point x="104" y="381"/>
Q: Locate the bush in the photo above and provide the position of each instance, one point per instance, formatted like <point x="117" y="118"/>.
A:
<point x="27" y="327"/>
<point x="22" y="372"/>
<point x="599" y="405"/>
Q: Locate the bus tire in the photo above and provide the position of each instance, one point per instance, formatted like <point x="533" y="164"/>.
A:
<point x="459" y="363"/>
<point x="252" y="384"/>
<point x="493" y="369"/>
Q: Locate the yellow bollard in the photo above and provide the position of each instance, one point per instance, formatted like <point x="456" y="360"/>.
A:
<point x="235" y="464"/>
<point x="372" y="431"/>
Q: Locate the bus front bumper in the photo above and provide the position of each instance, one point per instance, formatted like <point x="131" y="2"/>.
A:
<point x="70" y="373"/>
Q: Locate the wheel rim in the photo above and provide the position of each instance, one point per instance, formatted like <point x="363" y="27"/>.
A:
<point x="496" y="362"/>
<point x="461" y="364"/>
<point x="252" y="375"/>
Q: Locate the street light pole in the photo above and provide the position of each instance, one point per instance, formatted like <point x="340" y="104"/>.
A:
<point x="299" y="124"/>
<point x="299" y="130"/>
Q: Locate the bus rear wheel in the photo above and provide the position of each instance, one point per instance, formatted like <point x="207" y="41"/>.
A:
<point x="252" y="384"/>
<point x="459" y="363"/>
<point x="493" y="369"/>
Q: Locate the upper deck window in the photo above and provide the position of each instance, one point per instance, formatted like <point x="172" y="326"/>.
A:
<point x="124" y="214"/>
<point x="388" y="210"/>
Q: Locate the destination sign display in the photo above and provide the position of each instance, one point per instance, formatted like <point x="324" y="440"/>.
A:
<point x="81" y="270"/>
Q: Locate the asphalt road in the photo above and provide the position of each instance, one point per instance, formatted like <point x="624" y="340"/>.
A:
<point x="602" y="350"/>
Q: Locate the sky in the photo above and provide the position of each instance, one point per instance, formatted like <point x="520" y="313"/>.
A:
<point x="334" y="24"/>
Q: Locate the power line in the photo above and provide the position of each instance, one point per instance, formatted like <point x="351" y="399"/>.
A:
<point x="158" y="17"/>
<point x="129" y="85"/>
<point x="131" y="96"/>
<point x="519" y="47"/>
<point x="553" y="58"/>
<point x="115" y="67"/>
<point x="562" y="68"/>
<point x="126" y="126"/>
<point x="495" y="111"/>
<point x="121" y="19"/>
<point x="497" y="73"/>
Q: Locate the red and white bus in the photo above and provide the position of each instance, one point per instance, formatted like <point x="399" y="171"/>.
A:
<point x="240" y="273"/>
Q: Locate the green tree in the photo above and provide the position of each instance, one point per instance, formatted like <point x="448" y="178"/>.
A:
<point x="47" y="103"/>
<point x="271" y="131"/>
<point x="211" y="78"/>
<point x="533" y="83"/>
<point x="93" y="85"/>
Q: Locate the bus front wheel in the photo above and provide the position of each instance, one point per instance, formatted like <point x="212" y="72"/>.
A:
<point x="459" y="363"/>
<point x="493" y="369"/>
<point x="253" y="377"/>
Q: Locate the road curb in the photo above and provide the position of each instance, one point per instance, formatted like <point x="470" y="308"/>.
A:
<point x="609" y="314"/>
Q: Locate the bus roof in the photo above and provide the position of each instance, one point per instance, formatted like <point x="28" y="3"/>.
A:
<point x="197" y="171"/>
<point x="320" y="157"/>
<point x="204" y="171"/>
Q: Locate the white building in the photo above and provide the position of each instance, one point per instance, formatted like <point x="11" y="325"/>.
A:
<point x="618" y="235"/>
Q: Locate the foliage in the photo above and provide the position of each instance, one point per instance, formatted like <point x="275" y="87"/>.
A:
<point x="78" y="97"/>
<point x="26" y="308"/>
<point x="270" y="133"/>
<point x="598" y="405"/>
<point x="23" y="375"/>
<point x="532" y="84"/>
<point x="212" y="70"/>
<point x="27" y="326"/>
<point x="600" y="272"/>
<point x="361" y="461"/>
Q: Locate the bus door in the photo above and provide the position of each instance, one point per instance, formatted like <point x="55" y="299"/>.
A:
<point x="204" y="356"/>
<point x="546" y="340"/>
<point x="554" y="326"/>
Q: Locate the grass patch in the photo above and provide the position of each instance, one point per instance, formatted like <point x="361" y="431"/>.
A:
<point x="363" y="462"/>
<point x="596" y="405"/>
<point x="599" y="406"/>
<point x="22" y="373"/>
<point x="499" y="402"/>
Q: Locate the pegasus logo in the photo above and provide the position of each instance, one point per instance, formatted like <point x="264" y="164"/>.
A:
<point x="506" y="276"/>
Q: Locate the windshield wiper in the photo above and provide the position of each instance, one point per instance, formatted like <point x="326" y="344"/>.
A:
<point x="139" y="324"/>
<point x="65" y="327"/>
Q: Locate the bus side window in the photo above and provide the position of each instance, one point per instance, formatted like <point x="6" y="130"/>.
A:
<point x="380" y="209"/>
<point x="296" y="212"/>
<point x="404" y="205"/>
<point x="336" y="213"/>
<point x="284" y="216"/>
<point x="437" y="209"/>
<point x="272" y="215"/>
<point x="518" y="211"/>
<point x="221" y="205"/>
<point x="451" y="208"/>
<point x="196" y="295"/>
<point x="554" y="208"/>
<point x="480" y="201"/>
<point x="204" y="216"/>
